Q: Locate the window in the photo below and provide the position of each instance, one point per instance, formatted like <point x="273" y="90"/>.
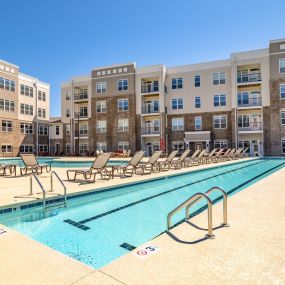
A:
<point x="197" y="102"/>
<point x="177" y="124"/>
<point x="198" y="123"/>
<point x="43" y="130"/>
<point x="177" y="103"/>
<point x="219" y="100"/>
<point x="41" y="96"/>
<point x="67" y="95"/>
<point x="282" y="91"/>
<point x="282" y="116"/>
<point x="26" y="148"/>
<point x="57" y="130"/>
<point x="83" y="148"/>
<point x="177" y="83"/>
<point x="123" y="125"/>
<point x="283" y="146"/>
<point x="123" y="105"/>
<point x="123" y="84"/>
<point x="7" y="126"/>
<point x="27" y="90"/>
<point x="101" y="107"/>
<point x="83" y="111"/>
<point x="101" y="87"/>
<point x="2" y="83"/>
<point x="179" y="145"/>
<point x="6" y="148"/>
<point x="219" y="78"/>
<point x="282" y="65"/>
<point x="123" y="145"/>
<point x="7" y="105"/>
<point x="221" y="144"/>
<point x="26" y="128"/>
<point x="67" y="148"/>
<point x="220" y="122"/>
<point x="243" y="98"/>
<point x="197" y="80"/>
<point x="43" y="148"/>
<point x="7" y="84"/>
<point x="101" y="146"/>
<point x="27" y="109"/>
<point x="243" y="121"/>
<point x="101" y="126"/>
<point x="67" y="112"/>
<point x="41" y="113"/>
<point x="83" y="129"/>
<point x="67" y="129"/>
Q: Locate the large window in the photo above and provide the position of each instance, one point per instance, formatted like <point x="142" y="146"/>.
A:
<point x="7" y="84"/>
<point x="123" y="145"/>
<point x="219" y="100"/>
<point x="83" y="129"/>
<point x="221" y="144"/>
<point x="177" y="83"/>
<point x="41" y="113"/>
<point x="101" y="146"/>
<point x="67" y="112"/>
<point x="26" y="148"/>
<point x="67" y="148"/>
<point x="101" y="87"/>
<point x="177" y="124"/>
<point x="123" y="105"/>
<point x="219" y="78"/>
<point x="177" y="103"/>
<point x="27" y="90"/>
<point x="83" y="111"/>
<point x="6" y="148"/>
<point x="83" y="148"/>
<point x="43" y="148"/>
<point x="220" y="122"/>
<point x="43" y="130"/>
<point x="282" y="65"/>
<point x="282" y="117"/>
<point x="123" y="125"/>
<point x="243" y="121"/>
<point x="282" y="91"/>
<point x="7" y="105"/>
<point x="27" y="109"/>
<point x="178" y="145"/>
<point x="198" y="123"/>
<point x="123" y="84"/>
<point x="57" y="130"/>
<point x="42" y="95"/>
<point x="197" y="80"/>
<point x="101" y="107"/>
<point x="26" y="128"/>
<point x="101" y="126"/>
<point x="197" y="102"/>
<point x="6" y="126"/>
<point x="67" y="95"/>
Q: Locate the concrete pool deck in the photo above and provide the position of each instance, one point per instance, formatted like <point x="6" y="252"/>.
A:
<point x="250" y="251"/>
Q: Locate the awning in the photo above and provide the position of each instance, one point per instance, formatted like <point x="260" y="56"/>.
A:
<point x="198" y="136"/>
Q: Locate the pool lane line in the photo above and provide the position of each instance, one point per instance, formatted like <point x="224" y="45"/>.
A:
<point x="154" y="196"/>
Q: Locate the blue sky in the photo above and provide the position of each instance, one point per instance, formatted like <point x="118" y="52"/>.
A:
<point x="57" y="39"/>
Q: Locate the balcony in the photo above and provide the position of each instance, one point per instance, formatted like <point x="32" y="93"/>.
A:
<point x="151" y="131"/>
<point x="250" y="127"/>
<point x="249" y="102"/>
<point x="81" y="97"/>
<point x="150" y="88"/>
<point x="250" y="77"/>
<point x="148" y="109"/>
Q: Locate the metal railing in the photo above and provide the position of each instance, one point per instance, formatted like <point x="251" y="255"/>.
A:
<point x="82" y="96"/>
<point x="249" y="77"/>
<point x="150" y="88"/>
<point x="150" y="109"/>
<point x="252" y="126"/>
<point x="53" y="173"/>
<point x="249" y="102"/>
<point x="151" y="131"/>
<point x="33" y="175"/>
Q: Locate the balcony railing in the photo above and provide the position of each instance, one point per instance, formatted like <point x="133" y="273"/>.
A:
<point x="249" y="77"/>
<point x="151" y="131"/>
<point x="83" y="96"/>
<point x="249" y="102"/>
<point x="252" y="126"/>
<point x="150" y="109"/>
<point x="151" y="88"/>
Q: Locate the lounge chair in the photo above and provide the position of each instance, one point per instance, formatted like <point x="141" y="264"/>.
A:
<point x="198" y="159"/>
<point x="151" y="165"/>
<point x="180" y="162"/>
<point x="166" y="164"/>
<point x="236" y="155"/>
<point x="98" y="166"/>
<point x="218" y="155"/>
<point x="210" y="155"/>
<point x="244" y="153"/>
<point x="31" y="163"/>
<point x="130" y="168"/>
<point x="223" y="156"/>
<point x="128" y="154"/>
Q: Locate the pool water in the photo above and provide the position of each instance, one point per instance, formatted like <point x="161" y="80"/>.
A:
<point x="92" y="229"/>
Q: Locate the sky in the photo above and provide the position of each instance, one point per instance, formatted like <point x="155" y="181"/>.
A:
<point x="55" y="40"/>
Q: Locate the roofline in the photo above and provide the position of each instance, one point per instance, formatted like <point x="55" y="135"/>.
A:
<point x="113" y="65"/>
<point x="34" y="78"/>
<point x="277" y="41"/>
<point x="6" y="62"/>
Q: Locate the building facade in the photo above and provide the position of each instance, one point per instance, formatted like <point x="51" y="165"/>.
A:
<point x="237" y="102"/>
<point x="24" y="112"/>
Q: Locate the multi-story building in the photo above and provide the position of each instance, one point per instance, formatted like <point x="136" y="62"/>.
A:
<point x="237" y="102"/>
<point x="24" y="108"/>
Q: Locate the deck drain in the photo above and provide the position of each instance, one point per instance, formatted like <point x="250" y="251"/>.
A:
<point x="127" y="246"/>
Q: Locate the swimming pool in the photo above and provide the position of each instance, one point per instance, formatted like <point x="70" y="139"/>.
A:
<point x="95" y="229"/>
<point x="59" y="163"/>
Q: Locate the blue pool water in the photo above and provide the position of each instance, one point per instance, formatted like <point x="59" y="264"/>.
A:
<point x="59" y="163"/>
<point x="92" y="229"/>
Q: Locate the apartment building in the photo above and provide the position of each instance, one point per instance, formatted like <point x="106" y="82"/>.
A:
<point x="236" y="102"/>
<point x="24" y="112"/>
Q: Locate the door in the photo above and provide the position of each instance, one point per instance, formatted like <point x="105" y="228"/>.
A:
<point x="255" y="98"/>
<point x="255" y="147"/>
<point x="256" y="122"/>
<point x="57" y="148"/>
<point x="198" y="146"/>
<point x="149" y="149"/>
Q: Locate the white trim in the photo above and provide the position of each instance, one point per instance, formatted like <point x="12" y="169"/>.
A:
<point x="113" y="66"/>
<point x="118" y="74"/>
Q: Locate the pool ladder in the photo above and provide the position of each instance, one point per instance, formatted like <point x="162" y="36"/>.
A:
<point x="54" y="205"/>
<point x="195" y="199"/>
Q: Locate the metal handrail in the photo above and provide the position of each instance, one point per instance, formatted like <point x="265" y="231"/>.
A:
<point x="61" y="182"/>
<point x="189" y="203"/>
<point x="225" y="204"/>
<point x="41" y="186"/>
